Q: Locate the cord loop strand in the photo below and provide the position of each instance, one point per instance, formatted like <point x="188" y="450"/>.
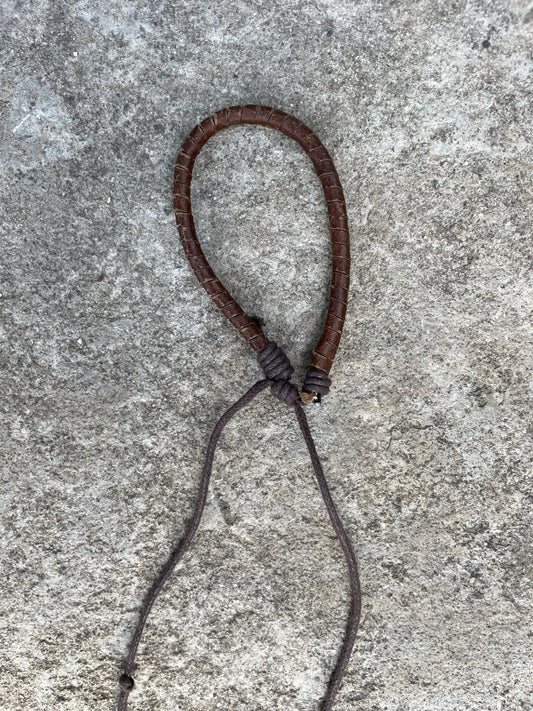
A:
<point x="278" y="366"/>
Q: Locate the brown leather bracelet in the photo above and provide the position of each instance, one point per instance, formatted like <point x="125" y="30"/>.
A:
<point x="273" y="360"/>
<point x="316" y="380"/>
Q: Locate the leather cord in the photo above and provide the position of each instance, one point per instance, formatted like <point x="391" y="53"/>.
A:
<point x="278" y="371"/>
<point x="316" y="381"/>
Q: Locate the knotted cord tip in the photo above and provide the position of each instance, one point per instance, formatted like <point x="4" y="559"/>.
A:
<point x="126" y="682"/>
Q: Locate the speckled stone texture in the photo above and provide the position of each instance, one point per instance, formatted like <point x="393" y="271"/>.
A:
<point x="116" y="365"/>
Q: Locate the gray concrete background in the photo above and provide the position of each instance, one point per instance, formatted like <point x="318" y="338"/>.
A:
<point x="115" y="364"/>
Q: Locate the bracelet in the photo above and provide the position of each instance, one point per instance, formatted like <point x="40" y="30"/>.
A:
<point x="272" y="359"/>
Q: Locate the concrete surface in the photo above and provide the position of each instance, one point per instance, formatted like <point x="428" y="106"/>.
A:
<point x="115" y="364"/>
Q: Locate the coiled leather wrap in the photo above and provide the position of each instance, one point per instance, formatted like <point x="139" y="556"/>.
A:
<point x="324" y="352"/>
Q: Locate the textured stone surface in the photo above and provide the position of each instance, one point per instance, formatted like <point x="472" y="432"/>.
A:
<point x="115" y="364"/>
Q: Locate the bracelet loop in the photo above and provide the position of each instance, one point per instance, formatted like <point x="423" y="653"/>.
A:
<point x="316" y="381"/>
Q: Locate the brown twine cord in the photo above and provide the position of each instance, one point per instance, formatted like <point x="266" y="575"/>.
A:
<point x="278" y="371"/>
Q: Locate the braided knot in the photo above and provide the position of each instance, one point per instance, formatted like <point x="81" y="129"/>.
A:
<point x="274" y="362"/>
<point x="126" y="682"/>
<point x="316" y="381"/>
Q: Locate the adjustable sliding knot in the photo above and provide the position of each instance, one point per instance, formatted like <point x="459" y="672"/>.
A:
<point x="278" y="369"/>
<point x="126" y="682"/>
<point x="274" y="362"/>
<point x="285" y="391"/>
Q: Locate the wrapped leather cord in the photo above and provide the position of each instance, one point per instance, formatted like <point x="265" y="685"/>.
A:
<point x="278" y="371"/>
